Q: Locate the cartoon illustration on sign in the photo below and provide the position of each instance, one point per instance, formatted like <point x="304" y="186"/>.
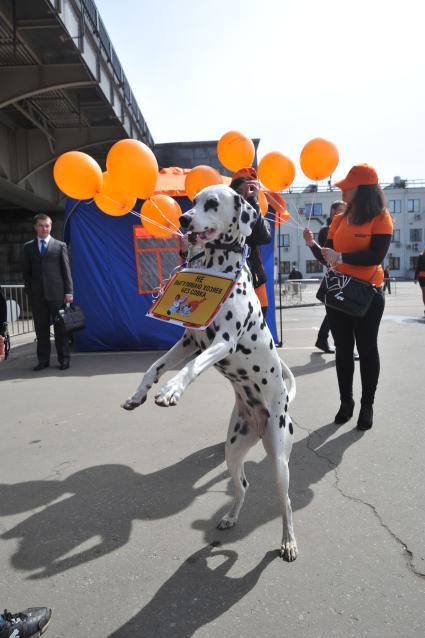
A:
<point x="181" y="306"/>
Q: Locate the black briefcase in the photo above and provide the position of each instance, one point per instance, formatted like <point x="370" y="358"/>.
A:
<point x="71" y="318"/>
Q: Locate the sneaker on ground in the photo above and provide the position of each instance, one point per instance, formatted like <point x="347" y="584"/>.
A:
<point x="25" y="624"/>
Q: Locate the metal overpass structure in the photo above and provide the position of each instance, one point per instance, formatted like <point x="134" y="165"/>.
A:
<point x="62" y="88"/>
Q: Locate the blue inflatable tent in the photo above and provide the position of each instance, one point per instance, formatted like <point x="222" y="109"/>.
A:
<point x="108" y="268"/>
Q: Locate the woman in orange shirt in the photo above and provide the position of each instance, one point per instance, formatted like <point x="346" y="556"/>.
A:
<point x="358" y="240"/>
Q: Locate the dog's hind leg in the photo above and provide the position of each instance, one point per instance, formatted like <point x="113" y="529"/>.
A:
<point x="240" y="438"/>
<point x="181" y="352"/>
<point x="277" y="442"/>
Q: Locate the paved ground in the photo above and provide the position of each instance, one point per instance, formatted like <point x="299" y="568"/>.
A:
<point x="110" y="516"/>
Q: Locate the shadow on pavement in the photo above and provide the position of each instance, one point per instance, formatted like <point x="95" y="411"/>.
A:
<point x="98" y="504"/>
<point x="198" y="593"/>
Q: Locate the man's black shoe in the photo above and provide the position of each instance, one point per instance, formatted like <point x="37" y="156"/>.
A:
<point x="324" y="345"/>
<point x="344" y="413"/>
<point x="26" y="624"/>
<point x="64" y="366"/>
<point x="41" y="366"/>
<point x="365" y="420"/>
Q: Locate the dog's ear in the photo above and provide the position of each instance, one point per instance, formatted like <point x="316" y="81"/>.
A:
<point x="247" y="216"/>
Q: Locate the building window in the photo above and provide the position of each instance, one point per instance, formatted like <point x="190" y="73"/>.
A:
<point x="313" y="266"/>
<point x="413" y="205"/>
<point x="413" y="263"/>
<point x="416" y="234"/>
<point x="285" y="267"/>
<point x="396" y="235"/>
<point x="285" y="241"/>
<point x="394" y="263"/>
<point x="394" y="205"/>
<point x="313" y="210"/>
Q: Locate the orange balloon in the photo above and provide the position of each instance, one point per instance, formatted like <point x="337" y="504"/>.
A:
<point x="77" y="175"/>
<point x="235" y="151"/>
<point x="200" y="177"/>
<point x="133" y="167"/>
<point x="319" y="158"/>
<point x="112" y="200"/>
<point x="282" y="216"/>
<point x="276" y="171"/>
<point x="263" y="203"/>
<point x="160" y="216"/>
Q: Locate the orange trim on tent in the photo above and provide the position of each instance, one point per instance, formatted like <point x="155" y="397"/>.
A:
<point x="171" y="181"/>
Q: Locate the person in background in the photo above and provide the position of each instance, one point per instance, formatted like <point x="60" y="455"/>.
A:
<point x="420" y="273"/>
<point x="25" y="624"/>
<point x="295" y="274"/>
<point x="322" y="341"/>
<point x="387" y="281"/>
<point x="48" y="283"/>
<point x="358" y="241"/>
<point x="245" y="182"/>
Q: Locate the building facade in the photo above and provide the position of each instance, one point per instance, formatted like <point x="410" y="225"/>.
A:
<point x="311" y="206"/>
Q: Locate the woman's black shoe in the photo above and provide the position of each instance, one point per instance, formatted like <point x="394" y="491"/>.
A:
<point x="365" y="420"/>
<point x="344" y="413"/>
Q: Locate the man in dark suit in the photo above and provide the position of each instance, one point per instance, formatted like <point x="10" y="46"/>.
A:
<point x="48" y="283"/>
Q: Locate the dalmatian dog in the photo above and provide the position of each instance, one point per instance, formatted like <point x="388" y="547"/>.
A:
<point x="238" y="344"/>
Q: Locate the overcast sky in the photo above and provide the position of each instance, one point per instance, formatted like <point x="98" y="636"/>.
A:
<point x="281" y="70"/>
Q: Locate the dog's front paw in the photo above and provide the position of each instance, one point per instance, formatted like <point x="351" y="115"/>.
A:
<point x="168" y="396"/>
<point x="132" y="403"/>
<point x="289" y="551"/>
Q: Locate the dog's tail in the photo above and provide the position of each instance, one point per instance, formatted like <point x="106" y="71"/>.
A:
<point x="290" y="379"/>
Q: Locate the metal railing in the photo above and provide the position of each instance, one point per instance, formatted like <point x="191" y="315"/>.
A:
<point x="296" y="292"/>
<point x="19" y="315"/>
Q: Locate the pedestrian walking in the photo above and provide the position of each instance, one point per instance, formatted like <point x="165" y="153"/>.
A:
<point x="420" y="273"/>
<point x="48" y="283"/>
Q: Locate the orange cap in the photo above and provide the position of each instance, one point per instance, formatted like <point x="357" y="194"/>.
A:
<point x="359" y="175"/>
<point x="247" y="173"/>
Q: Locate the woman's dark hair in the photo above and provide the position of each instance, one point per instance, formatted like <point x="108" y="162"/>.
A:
<point x="367" y="203"/>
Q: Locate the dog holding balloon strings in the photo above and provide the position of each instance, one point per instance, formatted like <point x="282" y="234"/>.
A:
<point x="239" y="345"/>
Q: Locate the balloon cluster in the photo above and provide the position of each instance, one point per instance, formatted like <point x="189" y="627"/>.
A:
<point x="132" y="173"/>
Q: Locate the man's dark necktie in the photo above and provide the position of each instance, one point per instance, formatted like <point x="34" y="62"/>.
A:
<point x="43" y="247"/>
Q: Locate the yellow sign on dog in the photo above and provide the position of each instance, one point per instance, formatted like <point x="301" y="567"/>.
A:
<point x="192" y="298"/>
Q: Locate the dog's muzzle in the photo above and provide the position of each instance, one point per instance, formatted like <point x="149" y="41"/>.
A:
<point x="185" y="221"/>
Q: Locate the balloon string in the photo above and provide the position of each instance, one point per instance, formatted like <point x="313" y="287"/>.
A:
<point x="168" y="220"/>
<point x="152" y="221"/>
<point x="301" y="224"/>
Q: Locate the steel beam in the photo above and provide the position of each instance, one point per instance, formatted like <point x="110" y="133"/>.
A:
<point x="20" y="82"/>
<point x="75" y="139"/>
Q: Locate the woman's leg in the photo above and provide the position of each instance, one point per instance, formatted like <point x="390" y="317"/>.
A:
<point x="341" y="326"/>
<point x="366" y="332"/>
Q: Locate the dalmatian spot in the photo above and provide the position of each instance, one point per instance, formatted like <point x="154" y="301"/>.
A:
<point x="237" y="426"/>
<point x="257" y="387"/>
<point x="245" y="217"/>
<point x="244" y="429"/>
<point x="220" y="260"/>
<point x="256" y="368"/>
<point x="239" y="291"/>
<point x="264" y="381"/>
<point x="238" y="325"/>
<point x="244" y="483"/>
<point x="243" y="349"/>
<point x="286" y="407"/>
<point x="291" y="429"/>
<point x="210" y="333"/>
<point x="242" y="372"/>
<point x="254" y="337"/>
<point x="234" y="219"/>
<point x="229" y="269"/>
<point x="272" y="369"/>
<point x="233" y="439"/>
<point x="229" y="315"/>
<point x="271" y="344"/>
<point x="282" y="421"/>
<point x="226" y="336"/>
<point x="211" y="203"/>
<point x="237" y="201"/>
<point x="186" y="342"/>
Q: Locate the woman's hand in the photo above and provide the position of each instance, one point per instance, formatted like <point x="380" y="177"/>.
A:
<point x="308" y="237"/>
<point x="330" y="255"/>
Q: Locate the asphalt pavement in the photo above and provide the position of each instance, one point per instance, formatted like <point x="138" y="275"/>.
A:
<point x="110" y="516"/>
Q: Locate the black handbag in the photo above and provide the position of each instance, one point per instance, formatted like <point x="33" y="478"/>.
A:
<point x="346" y="294"/>
<point x="71" y="318"/>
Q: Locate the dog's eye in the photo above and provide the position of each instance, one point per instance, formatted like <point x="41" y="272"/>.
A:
<point x="211" y="203"/>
